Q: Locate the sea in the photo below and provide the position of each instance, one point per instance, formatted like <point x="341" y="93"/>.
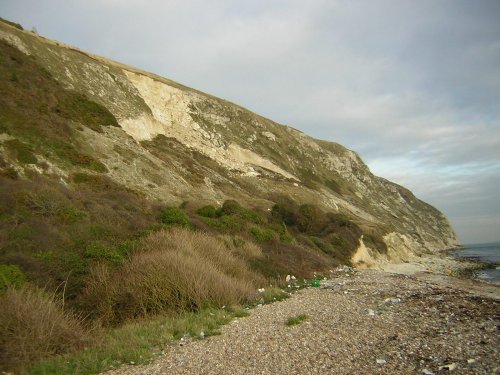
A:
<point x="487" y="253"/>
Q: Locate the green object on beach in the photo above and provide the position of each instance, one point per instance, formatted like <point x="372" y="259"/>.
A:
<point x="315" y="284"/>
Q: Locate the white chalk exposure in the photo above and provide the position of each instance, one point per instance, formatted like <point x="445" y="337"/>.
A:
<point x="170" y="117"/>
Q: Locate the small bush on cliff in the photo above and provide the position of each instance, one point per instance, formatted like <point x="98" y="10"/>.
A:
<point x="207" y="211"/>
<point x="264" y="235"/>
<point x="310" y="218"/>
<point x="230" y="207"/>
<point x="174" y="216"/>
<point x="306" y="217"/>
<point x="285" y="212"/>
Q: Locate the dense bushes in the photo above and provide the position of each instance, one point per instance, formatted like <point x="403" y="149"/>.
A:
<point x="123" y="259"/>
<point x="306" y="217"/>
<point x="172" y="271"/>
<point x="334" y="234"/>
<point x="230" y="207"/>
<point x="34" y="325"/>
<point x="306" y="226"/>
<point x="53" y="233"/>
<point x="174" y="216"/>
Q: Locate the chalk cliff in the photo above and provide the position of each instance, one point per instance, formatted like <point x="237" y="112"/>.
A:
<point x="173" y="144"/>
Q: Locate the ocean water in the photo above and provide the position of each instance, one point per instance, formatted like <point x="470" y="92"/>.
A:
<point x="488" y="253"/>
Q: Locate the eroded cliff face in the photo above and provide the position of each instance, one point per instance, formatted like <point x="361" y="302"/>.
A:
<point x="174" y="144"/>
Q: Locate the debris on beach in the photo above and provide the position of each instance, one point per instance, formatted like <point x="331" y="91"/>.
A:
<point x="449" y="367"/>
<point x="392" y="300"/>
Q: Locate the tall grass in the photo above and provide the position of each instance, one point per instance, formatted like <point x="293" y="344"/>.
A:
<point x="173" y="271"/>
<point x="34" y="325"/>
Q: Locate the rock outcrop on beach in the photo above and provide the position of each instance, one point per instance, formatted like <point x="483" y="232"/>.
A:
<point x="172" y="144"/>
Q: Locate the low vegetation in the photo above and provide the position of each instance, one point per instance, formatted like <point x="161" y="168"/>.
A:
<point x="35" y="325"/>
<point x="172" y="272"/>
<point x="174" y="216"/>
<point x="39" y="114"/>
<point x="15" y="24"/>
<point x="273" y="294"/>
<point x="11" y="276"/>
<point x="295" y="320"/>
<point x="137" y="342"/>
<point x="120" y="259"/>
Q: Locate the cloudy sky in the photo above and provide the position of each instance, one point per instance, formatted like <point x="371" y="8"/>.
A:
<point x="412" y="86"/>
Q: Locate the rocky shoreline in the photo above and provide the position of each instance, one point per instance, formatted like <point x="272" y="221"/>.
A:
<point x="443" y="263"/>
<point x="404" y="319"/>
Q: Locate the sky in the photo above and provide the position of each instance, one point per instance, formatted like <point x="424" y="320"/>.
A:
<point x="412" y="86"/>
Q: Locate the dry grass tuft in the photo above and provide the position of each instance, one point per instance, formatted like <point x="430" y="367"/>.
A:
<point x="174" y="271"/>
<point x="34" y="325"/>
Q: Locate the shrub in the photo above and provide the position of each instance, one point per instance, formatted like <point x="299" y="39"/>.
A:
<point x="11" y="276"/>
<point x="270" y="295"/>
<point x="338" y="241"/>
<point x="324" y="246"/>
<point x="242" y="248"/>
<point x="35" y="326"/>
<point x="340" y="219"/>
<point x="230" y="207"/>
<point x="225" y="223"/>
<point x="284" y="212"/>
<point x="46" y="229"/>
<point x="207" y="211"/>
<point x="231" y="223"/>
<point x="99" y="251"/>
<point x="285" y="236"/>
<point x="265" y="235"/>
<point x="174" y="216"/>
<point x="43" y="200"/>
<point x="295" y="259"/>
<point x="97" y="182"/>
<point x="310" y="218"/>
<point x="173" y="271"/>
<point x="252" y="216"/>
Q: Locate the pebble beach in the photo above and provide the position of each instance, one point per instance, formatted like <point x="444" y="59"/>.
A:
<point x="407" y="319"/>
